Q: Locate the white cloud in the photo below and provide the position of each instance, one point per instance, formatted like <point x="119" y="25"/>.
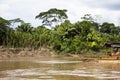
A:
<point x="28" y="9"/>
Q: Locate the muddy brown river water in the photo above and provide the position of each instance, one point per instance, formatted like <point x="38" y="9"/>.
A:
<point x="57" y="69"/>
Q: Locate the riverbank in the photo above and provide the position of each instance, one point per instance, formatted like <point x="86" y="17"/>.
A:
<point x="20" y="53"/>
<point x="6" y="53"/>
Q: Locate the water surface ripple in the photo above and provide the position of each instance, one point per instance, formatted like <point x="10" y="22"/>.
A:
<point x="57" y="69"/>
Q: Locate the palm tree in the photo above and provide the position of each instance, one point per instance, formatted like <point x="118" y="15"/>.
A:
<point x="25" y="27"/>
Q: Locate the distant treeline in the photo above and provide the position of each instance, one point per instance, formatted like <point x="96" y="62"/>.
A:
<point x="63" y="37"/>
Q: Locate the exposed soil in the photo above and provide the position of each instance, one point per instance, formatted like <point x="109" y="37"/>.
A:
<point x="9" y="53"/>
<point x="6" y="53"/>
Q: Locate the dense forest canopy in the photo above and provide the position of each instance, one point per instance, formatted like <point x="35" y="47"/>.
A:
<point x="66" y="37"/>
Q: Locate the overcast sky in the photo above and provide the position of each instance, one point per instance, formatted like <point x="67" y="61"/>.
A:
<point x="108" y="10"/>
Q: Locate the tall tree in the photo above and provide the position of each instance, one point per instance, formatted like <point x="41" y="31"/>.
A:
<point x="107" y="27"/>
<point x="87" y="17"/>
<point x="4" y="27"/>
<point x="16" y="22"/>
<point x="52" y="17"/>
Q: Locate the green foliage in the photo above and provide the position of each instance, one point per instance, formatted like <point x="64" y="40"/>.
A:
<point x="52" y="16"/>
<point x="4" y="28"/>
<point x="106" y="28"/>
<point x="82" y="37"/>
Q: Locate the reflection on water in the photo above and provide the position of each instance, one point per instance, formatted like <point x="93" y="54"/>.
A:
<point x="57" y="69"/>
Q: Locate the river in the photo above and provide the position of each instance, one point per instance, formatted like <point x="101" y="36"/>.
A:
<point x="57" y="69"/>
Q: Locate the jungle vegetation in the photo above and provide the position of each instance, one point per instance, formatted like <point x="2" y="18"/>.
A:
<point x="63" y="37"/>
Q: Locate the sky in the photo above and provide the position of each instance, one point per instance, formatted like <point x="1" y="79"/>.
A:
<point x="106" y="10"/>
